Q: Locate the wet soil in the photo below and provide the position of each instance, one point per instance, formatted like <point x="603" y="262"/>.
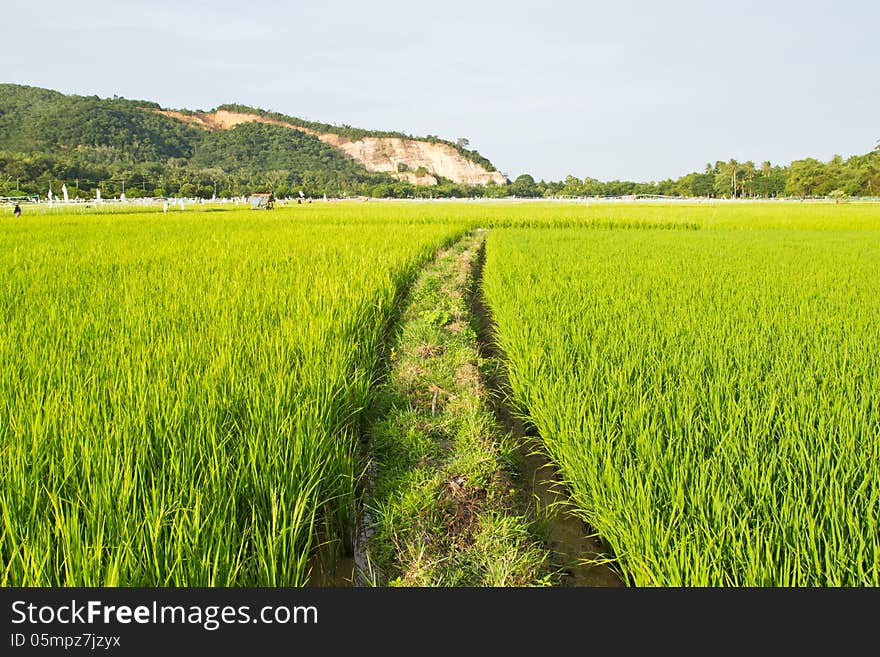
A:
<point x="579" y="554"/>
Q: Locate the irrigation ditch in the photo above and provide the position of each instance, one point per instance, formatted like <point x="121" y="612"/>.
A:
<point x="456" y="489"/>
<point x="579" y="555"/>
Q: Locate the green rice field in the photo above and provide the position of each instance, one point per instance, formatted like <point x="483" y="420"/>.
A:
<point x="179" y="395"/>
<point x="711" y="397"/>
<point x="182" y="394"/>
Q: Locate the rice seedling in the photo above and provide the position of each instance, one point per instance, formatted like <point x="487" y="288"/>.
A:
<point x="179" y="395"/>
<point x="711" y="397"/>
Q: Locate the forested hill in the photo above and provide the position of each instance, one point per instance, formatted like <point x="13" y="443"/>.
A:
<point x="47" y="138"/>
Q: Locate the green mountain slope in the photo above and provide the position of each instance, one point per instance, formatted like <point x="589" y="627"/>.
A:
<point x="33" y="119"/>
<point x="48" y="138"/>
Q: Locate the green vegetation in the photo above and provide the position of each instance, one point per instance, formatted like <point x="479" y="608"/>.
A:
<point x="48" y="138"/>
<point x="711" y="397"/>
<point x="548" y="214"/>
<point x="354" y="134"/>
<point x="180" y="394"/>
<point x="441" y="499"/>
<point x="89" y="129"/>
<point x="289" y="161"/>
<point x="856" y="176"/>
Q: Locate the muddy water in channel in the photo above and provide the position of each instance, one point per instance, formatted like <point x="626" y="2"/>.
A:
<point x="566" y="534"/>
<point x="573" y="545"/>
<point x="328" y="568"/>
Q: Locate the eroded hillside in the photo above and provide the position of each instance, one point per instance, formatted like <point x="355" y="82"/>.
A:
<point x="415" y="161"/>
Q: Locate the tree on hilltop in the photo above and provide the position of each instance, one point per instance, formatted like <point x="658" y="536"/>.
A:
<point x="524" y="185"/>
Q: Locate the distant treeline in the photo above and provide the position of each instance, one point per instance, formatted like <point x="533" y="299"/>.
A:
<point x="856" y="176"/>
<point x="35" y="173"/>
<point x="87" y="143"/>
<point x="227" y="167"/>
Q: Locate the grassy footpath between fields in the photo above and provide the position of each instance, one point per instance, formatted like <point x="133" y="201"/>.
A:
<point x="441" y="506"/>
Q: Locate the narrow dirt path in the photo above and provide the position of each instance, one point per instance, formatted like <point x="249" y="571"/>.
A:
<point x="458" y="492"/>
<point x="441" y="506"/>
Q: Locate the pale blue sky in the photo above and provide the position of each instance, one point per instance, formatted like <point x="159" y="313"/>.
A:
<point x="626" y="89"/>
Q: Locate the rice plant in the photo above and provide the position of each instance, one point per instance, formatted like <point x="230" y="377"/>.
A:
<point x="180" y="394"/>
<point x="712" y="397"/>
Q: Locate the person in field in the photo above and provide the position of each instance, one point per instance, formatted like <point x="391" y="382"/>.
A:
<point x="17" y="210"/>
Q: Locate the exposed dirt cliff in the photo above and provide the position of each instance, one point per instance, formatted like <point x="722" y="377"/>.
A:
<point x="418" y="162"/>
<point x="415" y="177"/>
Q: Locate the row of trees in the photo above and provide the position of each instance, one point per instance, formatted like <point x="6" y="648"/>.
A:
<point x="228" y="172"/>
<point x="856" y="176"/>
<point x="36" y="173"/>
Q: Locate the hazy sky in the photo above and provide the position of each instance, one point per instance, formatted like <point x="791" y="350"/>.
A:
<point x="635" y="90"/>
